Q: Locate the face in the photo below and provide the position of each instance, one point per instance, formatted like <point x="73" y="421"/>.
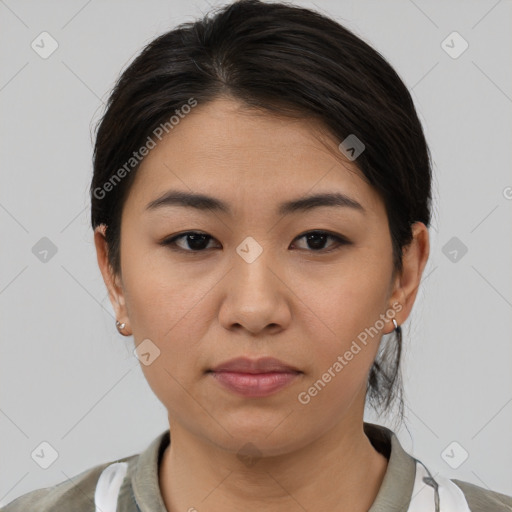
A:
<point x="201" y="285"/>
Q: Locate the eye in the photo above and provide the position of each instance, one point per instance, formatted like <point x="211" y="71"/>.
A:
<point x="194" y="240"/>
<point x="317" y="239"/>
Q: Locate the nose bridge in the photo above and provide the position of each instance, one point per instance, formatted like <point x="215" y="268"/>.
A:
<point x="255" y="296"/>
<point x="253" y="269"/>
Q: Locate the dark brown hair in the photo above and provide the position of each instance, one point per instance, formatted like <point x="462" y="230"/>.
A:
<point x="289" y="61"/>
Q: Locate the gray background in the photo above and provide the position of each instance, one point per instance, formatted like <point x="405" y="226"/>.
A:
<point x="67" y="376"/>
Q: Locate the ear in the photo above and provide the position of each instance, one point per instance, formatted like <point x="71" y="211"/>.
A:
<point x="414" y="257"/>
<point x="112" y="282"/>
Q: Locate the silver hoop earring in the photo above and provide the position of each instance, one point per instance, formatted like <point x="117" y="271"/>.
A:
<point x="397" y="327"/>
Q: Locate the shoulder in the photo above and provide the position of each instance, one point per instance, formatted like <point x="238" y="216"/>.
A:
<point x="484" y="500"/>
<point x="75" y="493"/>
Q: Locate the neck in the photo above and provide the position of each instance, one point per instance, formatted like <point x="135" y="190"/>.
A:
<point x="339" y="471"/>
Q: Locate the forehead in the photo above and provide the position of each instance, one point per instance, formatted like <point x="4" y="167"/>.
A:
<point x="237" y="153"/>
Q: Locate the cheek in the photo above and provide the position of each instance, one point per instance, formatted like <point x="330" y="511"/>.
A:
<point x="170" y="308"/>
<point x="346" y="328"/>
<point x="163" y="298"/>
<point x="340" y="363"/>
<point x="348" y="297"/>
<point x="173" y="318"/>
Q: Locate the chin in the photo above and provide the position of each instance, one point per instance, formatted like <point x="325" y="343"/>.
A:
<point x="267" y="434"/>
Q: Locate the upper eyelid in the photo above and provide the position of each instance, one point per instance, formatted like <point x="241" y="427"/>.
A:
<point x="317" y="231"/>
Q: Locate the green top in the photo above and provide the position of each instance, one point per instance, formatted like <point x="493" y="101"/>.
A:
<point x="140" y="491"/>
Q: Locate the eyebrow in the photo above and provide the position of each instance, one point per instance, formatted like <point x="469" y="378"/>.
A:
<point x="205" y="202"/>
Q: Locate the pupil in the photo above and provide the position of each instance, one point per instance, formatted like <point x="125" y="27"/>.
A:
<point x="317" y="244"/>
<point x="196" y="241"/>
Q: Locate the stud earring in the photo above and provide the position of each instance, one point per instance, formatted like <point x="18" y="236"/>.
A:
<point x="120" y="326"/>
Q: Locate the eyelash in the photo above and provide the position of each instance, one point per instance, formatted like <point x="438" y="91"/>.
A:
<point x="340" y="241"/>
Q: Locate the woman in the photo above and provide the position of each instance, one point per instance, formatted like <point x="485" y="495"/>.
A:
<point x="260" y="202"/>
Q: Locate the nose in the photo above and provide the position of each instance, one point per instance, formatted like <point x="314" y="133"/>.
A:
<point x="256" y="298"/>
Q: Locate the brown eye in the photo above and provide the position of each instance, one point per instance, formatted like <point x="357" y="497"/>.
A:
<point x="192" y="241"/>
<point x="316" y="240"/>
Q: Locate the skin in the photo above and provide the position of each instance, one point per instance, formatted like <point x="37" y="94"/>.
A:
<point x="295" y="302"/>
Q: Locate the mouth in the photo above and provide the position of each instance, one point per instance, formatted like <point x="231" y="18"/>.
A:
<point x="255" y="385"/>
<point x="255" y="366"/>
<point x="254" y="377"/>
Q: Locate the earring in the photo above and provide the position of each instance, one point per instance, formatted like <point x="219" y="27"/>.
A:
<point x="120" y="326"/>
<point x="397" y="327"/>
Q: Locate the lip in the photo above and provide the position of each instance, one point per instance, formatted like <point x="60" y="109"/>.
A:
<point x="254" y="377"/>
<point x="254" y="366"/>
